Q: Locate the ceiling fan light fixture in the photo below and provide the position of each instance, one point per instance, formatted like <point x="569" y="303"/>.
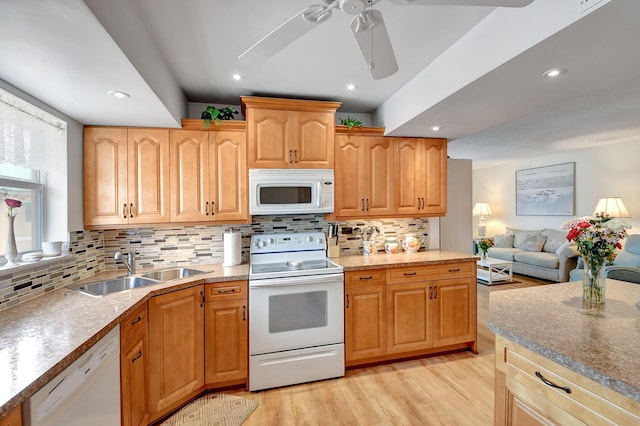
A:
<point x="554" y="72"/>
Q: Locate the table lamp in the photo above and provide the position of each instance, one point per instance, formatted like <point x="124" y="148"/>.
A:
<point x="481" y="210"/>
<point x="612" y="206"/>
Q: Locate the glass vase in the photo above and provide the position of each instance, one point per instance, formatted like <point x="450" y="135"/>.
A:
<point x="593" y="280"/>
<point x="11" y="252"/>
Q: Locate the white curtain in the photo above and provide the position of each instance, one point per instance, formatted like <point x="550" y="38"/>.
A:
<point x="31" y="137"/>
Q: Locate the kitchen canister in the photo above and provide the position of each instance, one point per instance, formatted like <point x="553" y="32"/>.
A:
<point x="231" y="247"/>
<point x="391" y="245"/>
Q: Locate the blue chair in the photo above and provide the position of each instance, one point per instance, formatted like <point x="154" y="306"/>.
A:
<point x="625" y="267"/>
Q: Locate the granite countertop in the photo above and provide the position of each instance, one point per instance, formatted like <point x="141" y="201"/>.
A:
<point x="42" y="336"/>
<point x="600" y="343"/>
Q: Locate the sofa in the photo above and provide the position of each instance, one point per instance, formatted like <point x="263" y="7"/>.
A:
<point x="625" y="266"/>
<point x="543" y="253"/>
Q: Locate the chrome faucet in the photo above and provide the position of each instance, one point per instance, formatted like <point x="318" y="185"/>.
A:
<point x="129" y="262"/>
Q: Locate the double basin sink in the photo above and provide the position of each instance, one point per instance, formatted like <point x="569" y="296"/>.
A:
<point x="113" y="285"/>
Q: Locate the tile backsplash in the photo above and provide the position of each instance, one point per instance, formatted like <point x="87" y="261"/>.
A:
<point x="93" y="251"/>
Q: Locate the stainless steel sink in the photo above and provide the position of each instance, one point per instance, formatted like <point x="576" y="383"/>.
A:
<point x="101" y="288"/>
<point x="172" y="274"/>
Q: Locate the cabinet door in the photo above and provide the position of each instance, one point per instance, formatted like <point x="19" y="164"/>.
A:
<point x="349" y="175"/>
<point x="435" y="185"/>
<point x="408" y="174"/>
<point x="365" y="322"/>
<point x="313" y="139"/>
<point x="189" y="175"/>
<point x="105" y="176"/>
<point x="226" y="350"/>
<point x="176" y="348"/>
<point x="378" y="168"/>
<point x="134" y="385"/>
<point x="228" y="176"/>
<point x="409" y="316"/>
<point x="269" y="138"/>
<point x="148" y="176"/>
<point x="454" y="310"/>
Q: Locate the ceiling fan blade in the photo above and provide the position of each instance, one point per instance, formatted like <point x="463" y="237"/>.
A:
<point x="378" y="54"/>
<point x="285" y="34"/>
<point x="490" y="3"/>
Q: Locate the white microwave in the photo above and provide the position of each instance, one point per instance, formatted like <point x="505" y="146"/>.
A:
<point x="290" y="191"/>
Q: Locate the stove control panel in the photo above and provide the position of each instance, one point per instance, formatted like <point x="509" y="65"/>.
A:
<point x="275" y="243"/>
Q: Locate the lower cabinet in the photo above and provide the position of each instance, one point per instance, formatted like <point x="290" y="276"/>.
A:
<point x="13" y="418"/>
<point x="400" y="312"/>
<point x="226" y="334"/>
<point x="176" y="347"/>
<point x="533" y="390"/>
<point x="134" y="365"/>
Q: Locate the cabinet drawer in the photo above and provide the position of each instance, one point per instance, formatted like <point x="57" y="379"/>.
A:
<point x="587" y="400"/>
<point x="226" y="290"/>
<point x="431" y="272"/>
<point x="364" y="278"/>
<point x="133" y="323"/>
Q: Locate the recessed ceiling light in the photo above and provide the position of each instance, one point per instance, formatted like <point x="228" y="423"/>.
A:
<point x="118" y="94"/>
<point x="237" y="77"/>
<point x="554" y="72"/>
<point x="351" y="86"/>
<point x="435" y="128"/>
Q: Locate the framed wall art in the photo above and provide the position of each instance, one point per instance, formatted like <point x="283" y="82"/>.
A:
<point x="546" y="191"/>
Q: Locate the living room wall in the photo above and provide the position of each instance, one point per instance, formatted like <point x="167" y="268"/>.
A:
<point x="605" y="171"/>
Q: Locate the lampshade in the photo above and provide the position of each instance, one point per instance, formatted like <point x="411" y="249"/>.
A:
<point x="481" y="210"/>
<point x="612" y="206"/>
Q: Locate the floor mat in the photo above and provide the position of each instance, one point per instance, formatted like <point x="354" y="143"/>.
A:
<point x="214" y="409"/>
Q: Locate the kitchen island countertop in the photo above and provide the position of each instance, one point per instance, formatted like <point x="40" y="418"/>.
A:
<point x="398" y="260"/>
<point x="601" y="343"/>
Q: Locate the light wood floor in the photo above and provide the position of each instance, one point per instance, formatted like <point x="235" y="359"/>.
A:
<point x="452" y="389"/>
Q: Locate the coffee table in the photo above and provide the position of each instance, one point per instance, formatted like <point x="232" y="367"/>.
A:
<point x="495" y="270"/>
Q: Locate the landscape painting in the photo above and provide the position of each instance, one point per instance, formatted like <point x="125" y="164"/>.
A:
<point x="546" y="191"/>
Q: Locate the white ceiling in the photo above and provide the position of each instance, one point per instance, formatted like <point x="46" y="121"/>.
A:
<point x="475" y="71"/>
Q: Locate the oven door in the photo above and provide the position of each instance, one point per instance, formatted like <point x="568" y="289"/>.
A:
<point x="295" y="312"/>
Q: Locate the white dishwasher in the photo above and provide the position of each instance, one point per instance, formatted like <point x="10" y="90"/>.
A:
<point x="85" y="393"/>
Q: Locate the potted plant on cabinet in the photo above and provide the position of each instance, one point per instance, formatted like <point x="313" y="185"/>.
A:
<point x="216" y="115"/>
<point x="350" y="122"/>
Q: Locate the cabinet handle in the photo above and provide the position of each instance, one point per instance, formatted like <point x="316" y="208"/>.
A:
<point x="124" y="210"/>
<point x="201" y="298"/>
<point x="367" y="204"/>
<point x="226" y="290"/>
<point x="137" y="320"/>
<point x="244" y="312"/>
<point x="131" y="210"/>
<point x="290" y="156"/>
<point x="362" y="201"/>
<point x="430" y="292"/>
<point x="370" y="277"/>
<point x="348" y="302"/>
<point x="422" y="203"/>
<point x="454" y="270"/>
<point x="553" y="385"/>
<point x="409" y="274"/>
<point x="206" y="209"/>
<point x="295" y="155"/>
<point x="435" y="291"/>
<point x="137" y="357"/>
<point x="213" y="211"/>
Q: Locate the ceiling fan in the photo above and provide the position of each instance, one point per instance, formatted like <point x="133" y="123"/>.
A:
<point x="367" y="26"/>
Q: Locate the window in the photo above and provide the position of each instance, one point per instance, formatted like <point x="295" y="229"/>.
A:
<point x="32" y="170"/>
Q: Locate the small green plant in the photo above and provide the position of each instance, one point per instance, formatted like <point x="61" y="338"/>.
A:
<point x="217" y="115"/>
<point x="350" y="122"/>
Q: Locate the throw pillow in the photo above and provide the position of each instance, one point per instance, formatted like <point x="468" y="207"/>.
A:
<point x="554" y="239"/>
<point x="521" y="236"/>
<point x="503" y="241"/>
<point x="533" y="243"/>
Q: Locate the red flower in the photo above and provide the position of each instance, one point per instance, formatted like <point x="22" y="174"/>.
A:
<point x="12" y="204"/>
<point x="584" y="224"/>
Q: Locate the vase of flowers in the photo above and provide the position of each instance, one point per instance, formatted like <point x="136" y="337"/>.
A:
<point x="597" y="239"/>
<point x="483" y="245"/>
<point x="11" y="252"/>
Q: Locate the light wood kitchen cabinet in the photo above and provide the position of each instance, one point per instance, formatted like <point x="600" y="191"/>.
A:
<point x="126" y="176"/>
<point x="226" y="339"/>
<point x="13" y="418"/>
<point x="176" y="348"/>
<point x="134" y="365"/>
<point x="288" y="133"/>
<point x="420" y="176"/>
<point x="209" y="174"/>
<point x="364" y="162"/>
<point x="365" y="315"/>
<point x="533" y="390"/>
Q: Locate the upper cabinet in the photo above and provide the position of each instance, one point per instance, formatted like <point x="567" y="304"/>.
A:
<point x="288" y="133"/>
<point x="209" y="174"/>
<point x="420" y="176"/>
<point x="126" y="176"/>
<point x="364" y="161"/>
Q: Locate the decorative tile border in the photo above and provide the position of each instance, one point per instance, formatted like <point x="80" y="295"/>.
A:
<point x="93" y="252"/>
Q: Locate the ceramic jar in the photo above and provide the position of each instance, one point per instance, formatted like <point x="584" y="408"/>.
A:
<point x="412" y="242"/>
<point x="391" y="245"/>
<point x="369" y="247"/>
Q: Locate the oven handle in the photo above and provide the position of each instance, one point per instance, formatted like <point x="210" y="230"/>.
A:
<point x="289" y="281"/>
